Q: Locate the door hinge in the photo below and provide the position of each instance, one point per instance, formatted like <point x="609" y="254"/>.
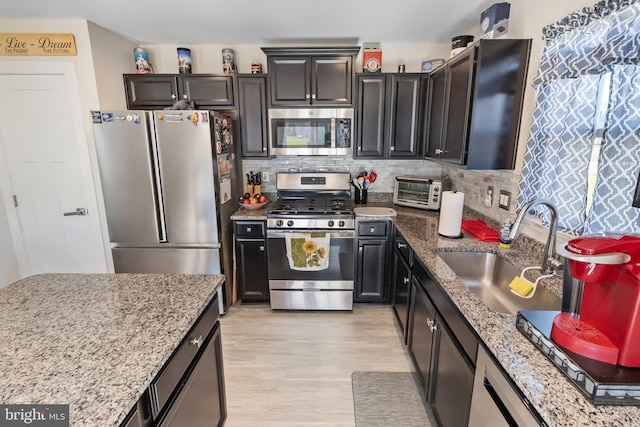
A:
<point x="15" y="201"/>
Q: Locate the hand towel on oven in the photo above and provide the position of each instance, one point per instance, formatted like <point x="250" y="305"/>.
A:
<point x="307" y="251"/>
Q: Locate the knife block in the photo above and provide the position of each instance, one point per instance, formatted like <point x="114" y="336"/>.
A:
<point x="254" y="189"/>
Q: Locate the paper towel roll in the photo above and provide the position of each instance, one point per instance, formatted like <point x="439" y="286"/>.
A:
<point x="450" y="222"/>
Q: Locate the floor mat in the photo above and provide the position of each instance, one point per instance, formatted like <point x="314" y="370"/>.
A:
<point x="389" y="399"/>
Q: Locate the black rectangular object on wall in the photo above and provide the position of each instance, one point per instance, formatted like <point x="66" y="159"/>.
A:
<point x="501" y="72"/>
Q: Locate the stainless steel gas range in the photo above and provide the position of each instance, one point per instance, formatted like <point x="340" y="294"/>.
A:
<point x="310" y="242"/>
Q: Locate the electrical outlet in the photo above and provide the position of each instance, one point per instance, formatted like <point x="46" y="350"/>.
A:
<point x="504" y="200"/>
<point x="488" y="197"/>
<point x="265" y="176"/>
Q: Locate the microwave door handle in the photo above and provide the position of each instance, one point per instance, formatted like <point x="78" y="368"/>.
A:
<point x="333" y="132"/>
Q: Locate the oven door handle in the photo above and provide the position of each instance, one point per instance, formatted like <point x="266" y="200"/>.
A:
<point x="342" y="234"/>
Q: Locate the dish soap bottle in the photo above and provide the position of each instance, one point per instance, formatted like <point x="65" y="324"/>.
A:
<point x="505" y="241"/>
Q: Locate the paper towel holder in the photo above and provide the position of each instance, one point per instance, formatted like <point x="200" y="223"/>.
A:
<point x="460" y="236"/>
<point x="457" y="215"/>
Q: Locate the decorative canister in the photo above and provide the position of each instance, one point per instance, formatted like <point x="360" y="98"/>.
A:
<point x="460" y="43"/>
<point x="141" y="57"/>
<point x="256" y="68"/>
<point x="184" y="60"/>
<point x="228" y="61"/>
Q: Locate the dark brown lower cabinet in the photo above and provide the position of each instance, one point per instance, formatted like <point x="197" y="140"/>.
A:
<point x="251" y="261"/>
<point x="401" y="290"/>
<point x="443" y="348"/>
<point x="372" y="260"/>
<point x="423" y="334"/>
<point x="371" y="275"/>
<point x="201" y="400"/>
<point x="453" y="381"/>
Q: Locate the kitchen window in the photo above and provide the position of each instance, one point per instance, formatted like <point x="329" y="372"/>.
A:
<point x="583" y="151"/>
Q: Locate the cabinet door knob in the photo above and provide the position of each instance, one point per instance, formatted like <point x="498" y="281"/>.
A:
<point x="438" y="151"/>
<point x="393" y="148"/>
<point x="432" y="325"/>
<point x="313" y="96"/>
<point x="307" y="96"/>
<point x="185" y="96"/>
<point x="373" y="229"/>
<point x="248" y="229"/>
<point x="405" y="280"/>
<point x="401" y="246"/>
<point x="173" y="96"/>
<point x="196" y="341"/>
<point x="261" y="248"/>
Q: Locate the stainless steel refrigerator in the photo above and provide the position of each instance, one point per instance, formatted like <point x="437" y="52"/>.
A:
<point x="169" y="180"/>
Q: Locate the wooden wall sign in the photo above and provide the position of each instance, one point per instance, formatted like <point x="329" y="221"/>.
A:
<point x="33" y="44"/>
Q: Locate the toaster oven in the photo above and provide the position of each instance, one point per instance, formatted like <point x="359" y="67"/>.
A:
<point x="419" y="192"/>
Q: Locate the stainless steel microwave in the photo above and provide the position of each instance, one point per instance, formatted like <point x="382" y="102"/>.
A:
<point x="311" y="131"/>
<point x="418" y="192"/>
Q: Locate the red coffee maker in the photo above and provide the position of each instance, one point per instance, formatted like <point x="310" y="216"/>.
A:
<point x="601" y="302"/>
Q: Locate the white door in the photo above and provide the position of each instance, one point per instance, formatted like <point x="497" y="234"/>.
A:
<point x="41" y="140"/>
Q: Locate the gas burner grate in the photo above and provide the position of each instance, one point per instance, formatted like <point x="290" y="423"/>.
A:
<point x="320" y="206"/>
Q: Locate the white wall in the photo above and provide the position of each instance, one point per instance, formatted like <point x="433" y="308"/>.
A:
<point x="99" y="65"/>
<point x="9" y="271"/>
<point x="207" y="58"/>
<point x="112" y="56"/>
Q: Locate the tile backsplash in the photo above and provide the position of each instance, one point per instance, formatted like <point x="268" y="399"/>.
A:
<point x="386" y="170"/>
<point x="472" y="183"/>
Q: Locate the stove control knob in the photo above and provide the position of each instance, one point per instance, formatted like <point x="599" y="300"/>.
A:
<point x="290" y="223"/>
<point x="331" y="223"/>
<point x="340" y="223"/>
<point x="279" y="223"/>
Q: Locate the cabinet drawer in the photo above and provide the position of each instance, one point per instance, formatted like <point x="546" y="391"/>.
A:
<point x="372" y="229"/>
<point x="163" y="386"/>
<point x="250" y="229"/>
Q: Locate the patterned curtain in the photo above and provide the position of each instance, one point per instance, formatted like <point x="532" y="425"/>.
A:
<point x="619" y="157"/>
<point x="579" y="49"/>
<point x="591" y="40"/>
<point x="559" y="148"/>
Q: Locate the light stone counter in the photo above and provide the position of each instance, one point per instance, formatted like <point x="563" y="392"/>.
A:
<point x="554" y="397"/>
<point x="94" y="341"/>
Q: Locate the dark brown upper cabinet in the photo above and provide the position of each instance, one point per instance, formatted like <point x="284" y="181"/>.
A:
<point x="388" y="115"/>
<point x="303" y="77"/>
<point x="154" y="91"/>
<point x="252" y="109"/>
<point x="472" y="117"/>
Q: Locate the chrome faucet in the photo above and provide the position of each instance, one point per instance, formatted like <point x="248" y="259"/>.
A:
<point x="549" y="262"/>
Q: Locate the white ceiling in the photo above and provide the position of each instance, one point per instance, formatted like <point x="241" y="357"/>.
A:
<point x="268" y="22"/>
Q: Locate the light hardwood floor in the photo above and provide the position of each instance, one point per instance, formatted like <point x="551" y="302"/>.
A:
<point x="293" y="368"/>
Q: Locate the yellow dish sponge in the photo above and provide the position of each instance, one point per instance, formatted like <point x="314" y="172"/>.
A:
<point x="521" y="286"/>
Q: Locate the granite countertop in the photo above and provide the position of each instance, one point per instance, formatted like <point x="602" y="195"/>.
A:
<point x="94" y="341"/>
<point x="243" y="214"/>
<point x="554" y="397"/>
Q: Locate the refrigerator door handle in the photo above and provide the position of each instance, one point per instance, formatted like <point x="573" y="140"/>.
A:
<point x="162" y="232"/>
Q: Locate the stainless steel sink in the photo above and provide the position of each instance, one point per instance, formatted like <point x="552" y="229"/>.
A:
<point x="488" y="276"/>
